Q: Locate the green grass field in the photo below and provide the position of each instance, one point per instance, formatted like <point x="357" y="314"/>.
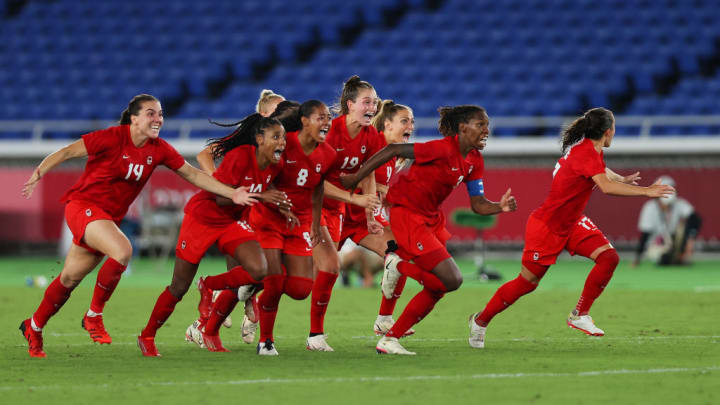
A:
<point x="662" y="345"/>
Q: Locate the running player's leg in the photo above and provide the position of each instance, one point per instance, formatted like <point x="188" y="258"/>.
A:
<point x="326" y="266"/>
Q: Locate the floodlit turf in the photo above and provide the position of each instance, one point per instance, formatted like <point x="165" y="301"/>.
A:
<point x="662" y="346"/>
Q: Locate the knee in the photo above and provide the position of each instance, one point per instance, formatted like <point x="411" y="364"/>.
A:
<point x="609" y="258"/>
<point x="453" y="282"/>
<point x="257" y="269"/>
<point x="69" y="280"/>
<point x="328" y="265"/>
<point x="298" y="288"/>
<point x="122" y="254"/>
<point x="178" y="289"/>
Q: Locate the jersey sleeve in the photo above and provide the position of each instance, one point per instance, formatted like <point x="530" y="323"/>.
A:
<point x="231" y="169"/>
<point x="591" y="164"/>
<point x="97" y="142"/>
<point x="171" y="158"/>
<point x="478" y="168"/>
<point x="429" y="151"/>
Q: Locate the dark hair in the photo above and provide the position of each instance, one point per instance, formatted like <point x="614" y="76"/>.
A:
<point x="350" y="91"/>
<point x="133" y="107"/>
<point x="451" y="117"/>
<point x="386" y="111"/>
<point x="591" y="125"/>
<point x="244" y="134"/>
<point x="286" y="113"/>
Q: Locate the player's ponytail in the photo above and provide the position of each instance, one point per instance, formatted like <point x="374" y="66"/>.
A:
<point x="266" y="96"/>
<point x="244" y="134"/>
<point x="133" y="107"/>
<point x="350" y="91"/>
<point x="452" y="117"/>
<point x="591" y="125"/>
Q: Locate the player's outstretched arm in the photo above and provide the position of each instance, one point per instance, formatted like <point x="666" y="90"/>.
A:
<point x="483" y="206"/>
<point x="629" y="179"/>
<point x="612" y="187"/>
<point x="405" y="150"/>
<point x="74" y="150"/>
<point x="198" y="178"/>
<point x="361" y="200"/>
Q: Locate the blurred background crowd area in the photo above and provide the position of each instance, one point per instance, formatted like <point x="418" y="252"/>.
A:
<point x="70" y="66"/>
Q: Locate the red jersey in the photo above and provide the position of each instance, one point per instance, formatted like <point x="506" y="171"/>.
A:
<point x="117" y="170"/>
<point x="382" y="176"/>
<point x="351" y="153"/>
<point x="571" y="187"/>
<point x="239" y="168"/>
<point x="302" y="173"/>
<point x="438" y="168"/>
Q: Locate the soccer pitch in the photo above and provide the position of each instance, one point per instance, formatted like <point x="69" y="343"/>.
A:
<point x="662" y="345"/>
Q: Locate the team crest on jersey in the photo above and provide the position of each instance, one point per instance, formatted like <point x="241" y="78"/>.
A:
<point x="149" y="160"/>
<point x="268" y="179"/>
<point x="536" y="256"/>
<point x="362" y="150"/>
<point x="470" y="169"/>
<point x="318" y="167"/>
<point x="182" y="245"/>
<point x="88" y="212"/>
<point x="420" y="246"/>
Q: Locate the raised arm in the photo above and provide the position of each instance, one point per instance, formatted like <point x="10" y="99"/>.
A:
<point x="198" y="178"/>
<point x="405" y="150"/>
<point x="74" y="150"/>
<point x="612" y="187"/>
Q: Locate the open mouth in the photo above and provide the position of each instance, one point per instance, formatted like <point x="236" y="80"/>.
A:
<point x="406" y="136"/>
<point x="277" y="153"/>
<point x="369" y="115"/>
<point x="323" y="132"/>
<point x="155" y="127"/>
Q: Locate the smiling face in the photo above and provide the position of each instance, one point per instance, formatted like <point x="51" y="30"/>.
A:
<point x="149" y="120"/>
<point x="271" y="143"/>
<point x="400" y="127"/>
<point x="475" y="131"/>
<point x="364" y="107"/>
<point x="317" y="124"/>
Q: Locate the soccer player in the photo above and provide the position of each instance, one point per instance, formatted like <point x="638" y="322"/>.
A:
<point x="120" y="162"/>
<point x="251" y="158"/>
<point x="354" y="140"/>
<point x="415" y="215"/>
<point x="559" y="223"/>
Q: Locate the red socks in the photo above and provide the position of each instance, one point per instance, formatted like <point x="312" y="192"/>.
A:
<point x="164" y="307"/>
<point x="107" y="279"/>
<point x="387" y="306"/>
<point x="424" y="277"/>
<point x="268" y="304"/>
<point x="55" y="297"/>
<point x="505" y="296"/>
<point x="321" y="291"/>
<point x="599" y="276"/>
<point x="298" y="288"/>
<point x="416" y="310"/>
<point x="233" y="278"/>
<point x="222" y="307"/>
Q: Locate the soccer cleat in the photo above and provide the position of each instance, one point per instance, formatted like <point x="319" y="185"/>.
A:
<point x="477" y="333"/>
<point x="213" y="343"/>
<point x="246" y="291"/>
<point x="251" y="308"/>
<point x="266" y="348"/>
<point x="584" y="323"/>
<point x="34" y="339"/>
<point x="390" y="345"/>
<point x="193" y="334"/>
<point x="248" y="329"/>
<point x="390" y="275"/>
<point x="147" y="346"/>
<point x="228" y="321"/>
<point x="94" y="325"/>
<point x="384" y="323"/>
<point x="205" y="299"/>
<point x="318" y="343"/>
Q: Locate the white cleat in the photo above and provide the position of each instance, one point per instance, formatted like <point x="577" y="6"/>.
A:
<point x="477" y="333"/>
<point x="193" y="334"/>
<point x="390" y="345"/>
<point x="228" y="321"/>
<point x="266" y="348"/>
<point x="318" y="343"/>
<point x="584" y="323"/>
<point x="390" y="275"/>
<point x="248" y="330"/>
<point x="384" y="323"/>
<point x="246" y="291"/>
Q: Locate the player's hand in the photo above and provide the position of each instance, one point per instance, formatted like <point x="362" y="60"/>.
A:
<point x="349" y="181"/>
<point x="632" y="178"/>
<point x="366" y="201"/>
<point x="315" y="235"/>
<point x="277" y="198"/>
<point x="243" y="196"/>
<point x="30" y="185"/>
<point x="658" y="189"/>
<point x="292" y="220"/>
<point x="373" y="226"/>
<point x="507" y="202"/>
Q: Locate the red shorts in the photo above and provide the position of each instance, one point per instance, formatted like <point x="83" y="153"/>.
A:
<point x="334" y="222"/>
<point x="78" y="215"/>
<point x="543" y="247"/>
<point x="421" y="239"/>
<point x="357" y="230"/>
<point x="196" y="238"/>
<point x="273" y="232"/>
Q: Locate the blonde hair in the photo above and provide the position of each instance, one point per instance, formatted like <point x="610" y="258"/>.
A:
<point x="386" y="111"/>
<point x="265" y="97"/>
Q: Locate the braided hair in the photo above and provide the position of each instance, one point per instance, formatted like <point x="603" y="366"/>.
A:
<point x="244" y="134"/>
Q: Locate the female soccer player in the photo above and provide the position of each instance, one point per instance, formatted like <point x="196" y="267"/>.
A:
<point x="560" y="224"/>
<point x="307" y="159"/>
<point x="251" y="158"/>
<point x="354" y="140"/>
<point x="121" y="160"/>
<point x="415" y="216"/>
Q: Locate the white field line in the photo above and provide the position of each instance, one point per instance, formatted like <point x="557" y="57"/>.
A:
<point x="325" y="380"/>
<point x="707" y="288"/>
<point x="553" y="339"/>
